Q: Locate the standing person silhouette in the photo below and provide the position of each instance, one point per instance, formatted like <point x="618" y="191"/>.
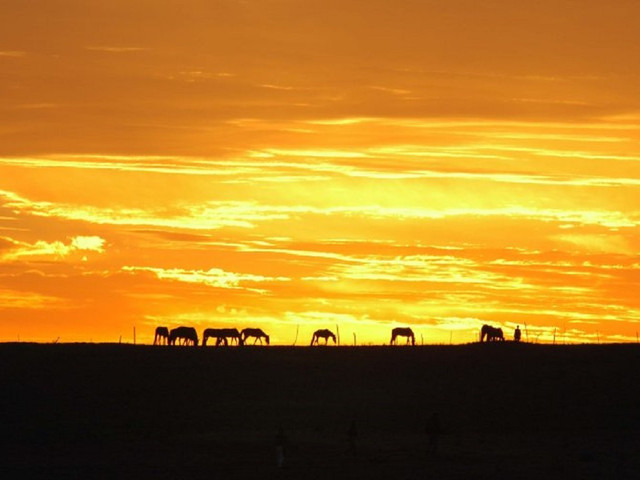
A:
<point x="281" y="441"/>
<point x="517" y="334"/>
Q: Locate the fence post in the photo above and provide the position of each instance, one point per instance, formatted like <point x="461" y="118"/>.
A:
<point x="296" y="339"/>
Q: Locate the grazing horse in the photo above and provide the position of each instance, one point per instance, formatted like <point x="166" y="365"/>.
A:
<point x="403" y="332"/>
<point x="326" y="334"/>
<point x="256" y="333"/>
<point x="491" y="334"/>
<point x="162" y="336"/>
<point x="222" y="336"/>
<point x="188" y="335"/>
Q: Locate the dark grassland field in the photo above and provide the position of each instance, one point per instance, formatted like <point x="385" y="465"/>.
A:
<point x="507" y="410"/>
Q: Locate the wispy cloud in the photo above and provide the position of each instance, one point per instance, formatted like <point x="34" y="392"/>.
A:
<point x="193" y="76"/>
<point x="214" y="277"/>
<point x="393" y="91"/>
<point x="38" y="106"/>
<point x="215" y="215"/>
<point x="276" y="87"/>
<point x="57" y="249"/>
<point x="274" y="167"/>
<point x="115" y="49"/>
<point x="14" y="299"/>
<point x="598" y="243"/>
<point x="12" y="53"/>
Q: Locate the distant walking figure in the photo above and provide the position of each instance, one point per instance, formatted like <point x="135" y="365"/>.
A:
<point x="326" y="334"/>
<point x="256" y="333"/>
<point x="162" y="336"/>
<point x="491" y="334"/>
<point x="222" y="336"/>
<point x="187" y="335"/>
<point x="517" y="334"/>
<point x="281" y="441"/>
<point x="403" y="332"/>
<point x="433" y="430"/>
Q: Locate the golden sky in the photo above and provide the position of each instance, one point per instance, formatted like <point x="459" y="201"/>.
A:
<point x="302" y="164"/>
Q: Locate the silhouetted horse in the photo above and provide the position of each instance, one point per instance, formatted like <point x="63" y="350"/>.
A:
<point x="222" y="336"/>
<point x="256" y="333"/>
<point x="403" y="332"/>
<point x="188" y="335"/>
<point x="491" y="334"/>
<point x="326" y="334"/>
<point x="162" y="336"/>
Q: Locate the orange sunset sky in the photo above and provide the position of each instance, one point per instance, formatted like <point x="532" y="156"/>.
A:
<point x="302" y="164"/>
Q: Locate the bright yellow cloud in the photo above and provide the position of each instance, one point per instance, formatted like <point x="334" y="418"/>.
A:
<point x="56" y="249"/>
<point x="213" y="277"/>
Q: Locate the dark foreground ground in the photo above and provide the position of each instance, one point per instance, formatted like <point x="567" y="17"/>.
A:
<point x="508" y="411"/>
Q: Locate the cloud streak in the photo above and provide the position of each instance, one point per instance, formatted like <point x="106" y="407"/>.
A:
<point x="216" y="215"/>
<point x="213" y="277"/>
<point x="18" y="250"/>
